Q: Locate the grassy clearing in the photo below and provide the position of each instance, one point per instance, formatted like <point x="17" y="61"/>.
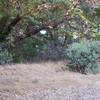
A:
<point x="42" y="75"/>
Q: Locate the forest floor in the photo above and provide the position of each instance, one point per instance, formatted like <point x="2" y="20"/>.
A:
<point x="46" y="81"/>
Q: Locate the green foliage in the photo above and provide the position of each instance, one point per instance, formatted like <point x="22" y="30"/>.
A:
<point x="27" y="50"/>
<point x="64" y="18"/>
<point x="5" y="57"/>
<point x="72" y="14"/>
<point x="83" y="56"/>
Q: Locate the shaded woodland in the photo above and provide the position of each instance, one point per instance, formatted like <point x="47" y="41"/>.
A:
<point x="35" y="30"/>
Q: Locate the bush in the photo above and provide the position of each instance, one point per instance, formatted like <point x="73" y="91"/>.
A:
<point x="83" y="56"/>
<point x="5" y="57"/>
<point x="52" y="51"/>
<point x="27" y="50"/>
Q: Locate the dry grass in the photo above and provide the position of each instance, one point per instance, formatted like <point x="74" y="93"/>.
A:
<point x="46" y="81"/>
<point x="41" y="75"/>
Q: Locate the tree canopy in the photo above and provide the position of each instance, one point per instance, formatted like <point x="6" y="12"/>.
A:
<point x="64" y="17"/>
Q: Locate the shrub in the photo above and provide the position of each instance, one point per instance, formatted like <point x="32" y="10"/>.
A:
<point x="5" y="57"/>
<point x="27" y="50"/>
<point x="83" y="56"/>
<point x="52" y="51"/>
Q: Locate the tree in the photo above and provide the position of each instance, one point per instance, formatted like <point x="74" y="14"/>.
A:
<point x="64" y="17"/>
